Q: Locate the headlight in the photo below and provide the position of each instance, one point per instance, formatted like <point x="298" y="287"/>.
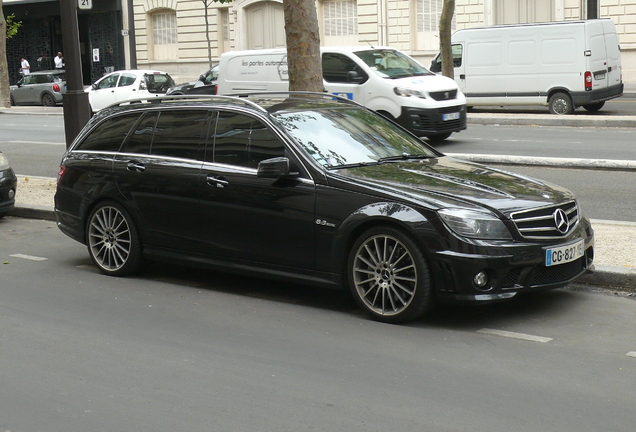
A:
<point x="401" y="91"/>
<point x="4" y="162"/>
<point x="475" y="224"/>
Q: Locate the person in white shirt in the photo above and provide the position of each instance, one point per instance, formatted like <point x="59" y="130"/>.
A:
<point x="25" y="67"/>
<point x="59" y="61"/>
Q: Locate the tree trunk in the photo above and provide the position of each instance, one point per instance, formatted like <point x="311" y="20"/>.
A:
<point x="5" y="100"/>
<point x="445" y="46"/>
<point x="303" y="45"/>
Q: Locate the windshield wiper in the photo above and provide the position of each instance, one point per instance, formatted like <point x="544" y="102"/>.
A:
<point x="405" y="157"/>
<point x="353" y="165"/>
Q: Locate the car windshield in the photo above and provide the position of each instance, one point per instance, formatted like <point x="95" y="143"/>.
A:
<point x="392" y="64"/>
<point x="341" y="137"/>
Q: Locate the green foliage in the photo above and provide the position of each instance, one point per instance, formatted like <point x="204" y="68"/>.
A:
<point x="12" y="27"/>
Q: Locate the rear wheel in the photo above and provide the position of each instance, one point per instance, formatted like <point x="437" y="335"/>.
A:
<point x="113" y="241"/>
<point x="389" y="277"/>
<point x="560" y="103"/>
<point x="47" y="100"/>
<point x="594" y="107"/>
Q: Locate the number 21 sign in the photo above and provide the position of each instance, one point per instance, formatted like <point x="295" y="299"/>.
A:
<point x="85" y="4"/>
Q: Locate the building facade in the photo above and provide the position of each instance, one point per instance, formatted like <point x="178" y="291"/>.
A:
<point x="171" y="34"/>
<point x="39" y="39"/>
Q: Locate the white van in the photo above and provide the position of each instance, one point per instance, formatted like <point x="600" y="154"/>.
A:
<point x="563" y="65"/>
<point x="382" y="79"/>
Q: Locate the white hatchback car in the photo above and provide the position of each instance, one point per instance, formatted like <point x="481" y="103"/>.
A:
<point x="122" y="85"/>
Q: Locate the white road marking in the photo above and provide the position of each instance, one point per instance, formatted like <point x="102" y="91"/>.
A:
<point x="29" y="257"/>
<point x="631" y="354"/>
<point x="515" y="335"/>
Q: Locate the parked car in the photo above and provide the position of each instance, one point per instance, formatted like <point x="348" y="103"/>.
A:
<point x="39" y="88"/>
<point x="206" y="84"/>
<point x="8" y="186"/>
<point x="314" y="189"/>
<point x="122" y="85"/>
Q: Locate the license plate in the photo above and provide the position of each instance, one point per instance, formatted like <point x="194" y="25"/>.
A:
<point x="450" y="116"/>
<point x="564" y="254"/>
<point x="600" y="76"/>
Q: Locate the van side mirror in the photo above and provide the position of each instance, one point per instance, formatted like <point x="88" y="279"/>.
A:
<point x="273" y="168"/>
<point x="353" y="76"/>
<point x="436" y="64"/>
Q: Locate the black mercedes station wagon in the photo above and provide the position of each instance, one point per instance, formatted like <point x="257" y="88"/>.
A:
<point x="313" y="189"/>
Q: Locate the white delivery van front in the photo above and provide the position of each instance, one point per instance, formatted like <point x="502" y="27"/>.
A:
<point x="562" y="65"/>
<point x="382" y="79"/>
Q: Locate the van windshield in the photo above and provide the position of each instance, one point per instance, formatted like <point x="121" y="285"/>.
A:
<point x="392" y="64"/>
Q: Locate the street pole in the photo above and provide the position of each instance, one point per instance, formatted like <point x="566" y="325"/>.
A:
<point x="76" y="106"/>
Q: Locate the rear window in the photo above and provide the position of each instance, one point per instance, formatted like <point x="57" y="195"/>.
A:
<point x="109" y="135"/>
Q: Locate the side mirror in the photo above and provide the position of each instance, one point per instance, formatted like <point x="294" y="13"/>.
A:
<point x="436" y="65"/>
<point x="353" y="76"/>
<point x="94" y="86"/>
<point x="273" y="168"/>
<point x="202" y="78"/>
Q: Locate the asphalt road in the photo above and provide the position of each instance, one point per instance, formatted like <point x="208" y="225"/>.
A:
<point x="177" y="349"/>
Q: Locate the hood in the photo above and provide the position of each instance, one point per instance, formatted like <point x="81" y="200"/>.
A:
<point x="447" y="182"/>
<point x="429" y="83"/>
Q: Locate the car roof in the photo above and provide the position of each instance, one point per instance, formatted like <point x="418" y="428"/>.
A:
<point x="263" y="102"/>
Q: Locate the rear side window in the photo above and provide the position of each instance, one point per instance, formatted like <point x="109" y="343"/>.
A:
<point x="126" y="80"/>
<point x="109" y="135"/>
<point x="140" y="139"/>
<point x="243" y="141"/>
<point x="180" y="134"/>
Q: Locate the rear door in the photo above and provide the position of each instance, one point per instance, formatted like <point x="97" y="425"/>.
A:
<point x="127" y="87"/>
<point x="158" y="171"/>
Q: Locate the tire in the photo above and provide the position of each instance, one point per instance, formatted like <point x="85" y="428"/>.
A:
<point x="560" y="103"/>
<point x="389" y="276"/>
<point x="594" y="107"/>
<point x="47" y="100"/>
<point x="3" y="215"/>
<point x="439" y="137"/>
<point x="113" y="241"/>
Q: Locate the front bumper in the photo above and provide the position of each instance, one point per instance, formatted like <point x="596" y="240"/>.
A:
<point x="433" y="121"/>
<point x="8" y="188"/>
<point x="510" y="269"/>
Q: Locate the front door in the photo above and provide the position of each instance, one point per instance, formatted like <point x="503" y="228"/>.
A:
<point x="248" y="218"/>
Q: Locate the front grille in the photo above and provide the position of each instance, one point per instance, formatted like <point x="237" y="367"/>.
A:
<point x="444" y="95"/>
<point x="547" y="222"/>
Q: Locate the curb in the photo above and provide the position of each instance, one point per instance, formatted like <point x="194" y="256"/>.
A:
<point x="582" y="120"/>
<point x="617" y="278"/>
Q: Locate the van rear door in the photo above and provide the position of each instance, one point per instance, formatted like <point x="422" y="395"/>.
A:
<point x="613" y="54"/>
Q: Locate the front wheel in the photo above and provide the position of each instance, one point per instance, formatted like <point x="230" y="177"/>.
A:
<point x="389" y="277"/>
<point x="560" y="103"/>
<point x="112" y="240"/>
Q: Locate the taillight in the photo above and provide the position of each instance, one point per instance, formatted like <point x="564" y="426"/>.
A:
<point x="61" y="173"/>
<point x="588" y="81"/>
<point x="56" y="88"/>
<point x="214" y="88"/>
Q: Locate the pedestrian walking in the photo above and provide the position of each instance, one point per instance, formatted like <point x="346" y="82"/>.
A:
<point x="25" y="67"/>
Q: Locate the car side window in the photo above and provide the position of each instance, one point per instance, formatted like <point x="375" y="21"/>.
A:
<point x="180" y="134"/>
<point x="126" y="80"/>
<point x="141" y="137"/>
<point x="28" y="79"/>
<point x="109" y="135"/>
<point x="43" y="79"/>
<point x="243" y="141"/>
<point x="336" y="68"/>
<point x="108" y="82"/>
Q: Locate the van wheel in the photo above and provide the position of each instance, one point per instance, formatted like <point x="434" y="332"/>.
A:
<point x="560" y="103"/>
<point x="439" y="137"/>
<point x="594" y="107"/>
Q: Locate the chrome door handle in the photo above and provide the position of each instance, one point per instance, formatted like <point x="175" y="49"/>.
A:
<point x="218" y="181"/>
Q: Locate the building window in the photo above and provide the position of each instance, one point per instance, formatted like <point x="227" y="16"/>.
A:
<point x="340" y="19"/>
<point x="224" y="30"/>
<point x="164" y="35"/>
<point x="427" y="15"/>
